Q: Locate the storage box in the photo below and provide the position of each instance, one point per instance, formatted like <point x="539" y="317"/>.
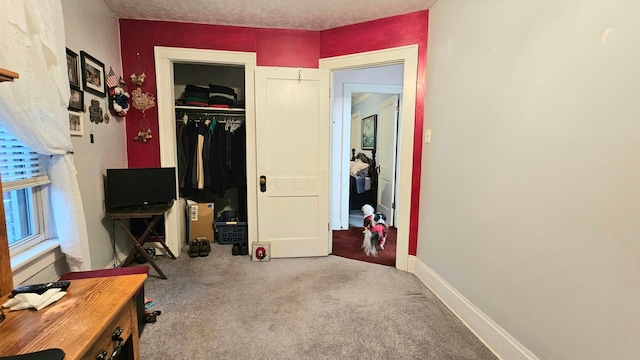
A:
<point x="200" y="222"/>
<point x="231" y="232"/>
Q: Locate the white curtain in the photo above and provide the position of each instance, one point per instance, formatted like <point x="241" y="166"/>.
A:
<point x="34" y="109"/>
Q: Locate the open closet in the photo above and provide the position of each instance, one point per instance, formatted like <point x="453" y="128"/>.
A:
<point x="210" y="135"/>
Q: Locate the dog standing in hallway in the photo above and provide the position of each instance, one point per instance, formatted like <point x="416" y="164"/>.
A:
<point x="375" y="230"/>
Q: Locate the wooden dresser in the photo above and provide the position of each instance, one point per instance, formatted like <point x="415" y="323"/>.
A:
<point x="82" y="323"/>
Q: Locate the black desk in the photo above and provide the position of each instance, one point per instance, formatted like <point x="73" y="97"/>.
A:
<point x="155" y="213"/>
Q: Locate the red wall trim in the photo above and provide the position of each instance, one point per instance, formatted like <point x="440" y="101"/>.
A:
<point x="273" y="47"/>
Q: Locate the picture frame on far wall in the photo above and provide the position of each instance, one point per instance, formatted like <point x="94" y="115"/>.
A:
<point x="75" y="124"/>
<point x="369" y="132"/>
<point x="72" y="68"/>
<point x="76" y="100"/>
<point x="93" y="76"/>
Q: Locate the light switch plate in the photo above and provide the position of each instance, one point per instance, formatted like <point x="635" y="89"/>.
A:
<point x="427" y="136"/>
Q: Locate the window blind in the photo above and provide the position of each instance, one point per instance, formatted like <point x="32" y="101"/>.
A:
<point x="19" y="165"/>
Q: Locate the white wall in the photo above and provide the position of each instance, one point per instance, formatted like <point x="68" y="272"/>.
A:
<point x="530" y="204"/>
<point x="90" y="26"/>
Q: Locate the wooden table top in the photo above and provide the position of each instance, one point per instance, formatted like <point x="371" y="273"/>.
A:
<point x="72" y="323"/>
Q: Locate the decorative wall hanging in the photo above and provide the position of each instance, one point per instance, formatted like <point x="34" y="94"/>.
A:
<point x="93" y="76"/>
<point x="143" y="102"/>
<point x="118" y="95"/>
<point x="138" y="76"/>
<point x="95" y="112"/>
<point x="106" y="115"/>
<point x="143" y="135"/>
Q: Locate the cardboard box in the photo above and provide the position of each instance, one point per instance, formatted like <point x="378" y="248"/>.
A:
<point x="200" y="221"/>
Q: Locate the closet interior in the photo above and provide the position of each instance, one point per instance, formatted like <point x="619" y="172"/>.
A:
<point x="211" y="136"/>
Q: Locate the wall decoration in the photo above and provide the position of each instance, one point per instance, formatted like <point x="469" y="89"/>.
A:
<point x="93" y="76"/>
<point x="75" y="124"/>
<point x="76" y="100"/>
<point x="143" y="101"/>
<point x="95" y="112"/>
<point x="138" y="76"/>
<point x="118" y="95"/>
<point x="72" y="68"/>
<point x="369" y="132"/>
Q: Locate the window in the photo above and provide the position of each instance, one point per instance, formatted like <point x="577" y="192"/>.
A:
<point x="24" y="185"/>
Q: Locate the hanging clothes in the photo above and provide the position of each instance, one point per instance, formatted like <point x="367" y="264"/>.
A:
<point x="187" y="140"/>
<point x="212" y="156"/>
<point x="238" y="167"/>
<point x="218" y="152"/>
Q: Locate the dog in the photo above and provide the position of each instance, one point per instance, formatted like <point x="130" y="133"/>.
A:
<point x="375" y="230"/>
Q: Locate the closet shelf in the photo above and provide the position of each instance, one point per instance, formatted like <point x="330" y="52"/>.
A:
<point x="208" y="109"/>
<point x="6" y="75"/>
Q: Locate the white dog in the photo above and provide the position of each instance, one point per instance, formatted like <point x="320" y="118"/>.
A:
<point x="375" y="230"/>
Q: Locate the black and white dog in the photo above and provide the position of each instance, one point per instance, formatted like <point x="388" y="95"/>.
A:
<point x="375" y="230"/>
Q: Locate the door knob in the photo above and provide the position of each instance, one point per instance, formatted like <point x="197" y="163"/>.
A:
<point x="263" y="183"/>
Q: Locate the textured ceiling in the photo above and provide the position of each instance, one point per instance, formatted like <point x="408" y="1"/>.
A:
<point x="282" y="14"/>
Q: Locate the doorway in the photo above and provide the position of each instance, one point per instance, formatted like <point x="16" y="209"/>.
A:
<point x="372" y="172"/>
<point x="407" y="57"/>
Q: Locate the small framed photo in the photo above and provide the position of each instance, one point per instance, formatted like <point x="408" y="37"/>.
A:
<point x="75" y="124"/>
<point x="369" y="132"/>
<point x="76" y="100"/>
<point x="72" y="68"/>
<point x="92" y="74"/>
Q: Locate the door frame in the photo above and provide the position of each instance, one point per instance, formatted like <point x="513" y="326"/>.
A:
<point x="165" y="58"/>
<point x="347" y="105"/>
<point x="408" y="56"/>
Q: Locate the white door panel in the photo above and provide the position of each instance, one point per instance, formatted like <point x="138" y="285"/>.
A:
<point x="387" y="129"/>
<point x="292" y="131"/>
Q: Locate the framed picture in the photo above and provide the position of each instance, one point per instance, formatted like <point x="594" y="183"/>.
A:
<point x="75" y="123"/>
<point x="76" y="100"/>
<point x="72" y="68"/>
<point x="369" y="132"/>
<point x="92" y="74"/>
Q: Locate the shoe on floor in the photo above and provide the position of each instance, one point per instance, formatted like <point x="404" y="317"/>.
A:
<point x="194" y="248"/>
<point x="244" y="249"/>
<point x="235" y="250"/>
<point x="205" y="247"/>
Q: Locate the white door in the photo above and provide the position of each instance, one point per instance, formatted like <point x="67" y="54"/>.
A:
<point x="292" y="152"/>
<point x="387" y="128"/>
<point x="355" y="133"/>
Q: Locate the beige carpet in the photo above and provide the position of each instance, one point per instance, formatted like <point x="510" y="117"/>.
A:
<point x="228" y="307"/>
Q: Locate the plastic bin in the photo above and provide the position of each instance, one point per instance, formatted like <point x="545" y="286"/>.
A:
<point x="231" y="232"/>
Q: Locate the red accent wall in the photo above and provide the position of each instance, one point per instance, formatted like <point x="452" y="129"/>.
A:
<point x="383" y="34"/>
<point x="273" y="47"/>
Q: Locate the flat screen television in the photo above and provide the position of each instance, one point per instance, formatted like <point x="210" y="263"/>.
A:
<point x="139" y="187"/>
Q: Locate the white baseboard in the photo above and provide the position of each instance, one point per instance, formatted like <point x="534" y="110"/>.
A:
<point x="503" y="345"/>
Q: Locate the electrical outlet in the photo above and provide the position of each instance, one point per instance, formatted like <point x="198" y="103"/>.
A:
<point x="427" y="136"/>
<point x="261" y="251"/>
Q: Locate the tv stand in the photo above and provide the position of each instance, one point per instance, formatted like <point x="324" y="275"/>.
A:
<point x="153" y="212"/>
